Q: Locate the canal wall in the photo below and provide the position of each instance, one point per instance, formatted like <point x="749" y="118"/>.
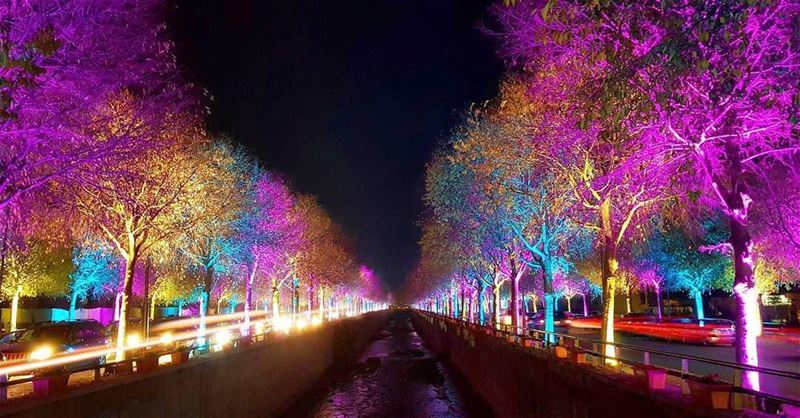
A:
<point x="525" y="382"/>
<point x="257" y="381"/>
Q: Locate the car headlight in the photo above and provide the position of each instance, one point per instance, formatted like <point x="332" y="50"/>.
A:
<point x="165" y="338"/>
<point x="716" y="332"/>
<point x="133" y="339"/>
<point x="42" y="353"/>
<point x="222" y="337"/>
<point x="283" y="323"/>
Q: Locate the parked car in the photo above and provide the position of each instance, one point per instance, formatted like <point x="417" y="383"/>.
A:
<point x="51" y="339"/>
<point x="10" y="337"/>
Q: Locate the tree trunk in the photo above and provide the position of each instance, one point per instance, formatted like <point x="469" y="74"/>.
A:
<point x="203" y="309"/>
<point x="180" y="308"/>
<point x="248" y="296"/>
<point x="514" y="296"/>
<point x="276" y="296"/>
<point x="748" y="318"/>
<point x="481" y="313"/>
<point x="698" y="303"/>
<point x="127" y="291"/>
<point x="295" y="297"/>
<point x="248" y="291"/>
<point x="496" y="304"/>
<point x="310" y="304"/>
<point x="569" y="303"/>
<point x="609" y="270"/>
<point x="585" y="305"/>
<point x="208" y="285"/>
<point x="463" y="305"/>
<point x="146" y="300"/>
<point x="73" y="303"/>
<point x="549" y="300"/>
<point x="4" y="248"/>
<point x="15" y="308"/>
<point x="321" y="303"/>
<point x="535" y="304"/>
<point x="454" y="296"/>
<point x="628" y="303"/>
<point x="117" y="304"/>
<point x="659" y="312"/>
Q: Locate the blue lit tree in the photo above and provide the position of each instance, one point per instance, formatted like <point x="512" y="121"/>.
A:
<point x="684" y="262"/>
<point x="538" y="215"/>
<point x="212" y="242"/>
<point x="96" y="272"/>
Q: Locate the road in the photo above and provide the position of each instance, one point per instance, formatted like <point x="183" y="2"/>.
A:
<point x="773" y="353"/>
<point x="395" y="377"/>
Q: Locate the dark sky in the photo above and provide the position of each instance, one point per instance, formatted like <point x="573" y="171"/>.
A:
<point x="347" y="98"/>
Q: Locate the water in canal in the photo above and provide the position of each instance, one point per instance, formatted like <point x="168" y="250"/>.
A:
<point x="396" y="376"/>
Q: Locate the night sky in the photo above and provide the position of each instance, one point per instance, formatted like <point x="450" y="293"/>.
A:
<point x="347" y="98"/>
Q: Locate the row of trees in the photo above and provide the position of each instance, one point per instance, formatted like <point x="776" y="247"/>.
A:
<point x="110" y="184"/>
<point x="648" y="143"/>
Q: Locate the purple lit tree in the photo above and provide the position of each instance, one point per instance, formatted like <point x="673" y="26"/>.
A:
<point x="723" y="92"/>
<point x="272" y="236"/>
<point x="709" y="89"/>
<point x="569" y="286"/>
<point x="60" y="61"/>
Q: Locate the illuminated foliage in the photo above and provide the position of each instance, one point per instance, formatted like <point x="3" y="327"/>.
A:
<point x="620" y="112"/>
<point x="96" y="272"/>
<point x="59" y="62"/>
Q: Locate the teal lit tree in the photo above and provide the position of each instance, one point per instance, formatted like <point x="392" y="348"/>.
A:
<point x="96" y="273"/>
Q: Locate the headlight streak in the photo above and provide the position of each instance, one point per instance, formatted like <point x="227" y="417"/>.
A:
<point x="58" y="359"/>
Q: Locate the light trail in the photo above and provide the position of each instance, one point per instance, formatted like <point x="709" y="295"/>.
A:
<point x="259" y="325"/>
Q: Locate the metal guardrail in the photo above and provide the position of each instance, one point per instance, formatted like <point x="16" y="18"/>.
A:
<point x="597" y="351"/>
<point x="124" y="367"/>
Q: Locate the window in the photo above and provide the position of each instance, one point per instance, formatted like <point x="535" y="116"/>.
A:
<point x="88" y="333"/>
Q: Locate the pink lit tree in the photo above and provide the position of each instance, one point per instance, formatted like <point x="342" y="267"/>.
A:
<point x="723" y="89"/>
<point x="570" y="285"/>
<point x="270" y="234"/>
<point x="710" y="90"/>
<point x="62" y="60"/>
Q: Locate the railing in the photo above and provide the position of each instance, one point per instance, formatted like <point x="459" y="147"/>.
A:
<point x="766" y="402"/>
<point x="150" y="354"/>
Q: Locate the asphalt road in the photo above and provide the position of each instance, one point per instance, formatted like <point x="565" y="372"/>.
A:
<point x="773" y="353"/>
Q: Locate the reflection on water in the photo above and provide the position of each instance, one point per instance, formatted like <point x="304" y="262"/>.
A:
<point x="396" y="376"/>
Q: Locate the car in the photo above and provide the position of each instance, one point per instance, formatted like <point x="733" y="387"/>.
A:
<point x="560" y="318"/>
<point x="10" y="337"/>
<point x="50" y="339"/>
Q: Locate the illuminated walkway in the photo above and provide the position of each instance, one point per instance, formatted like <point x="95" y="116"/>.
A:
<point x="396" y="376"/>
